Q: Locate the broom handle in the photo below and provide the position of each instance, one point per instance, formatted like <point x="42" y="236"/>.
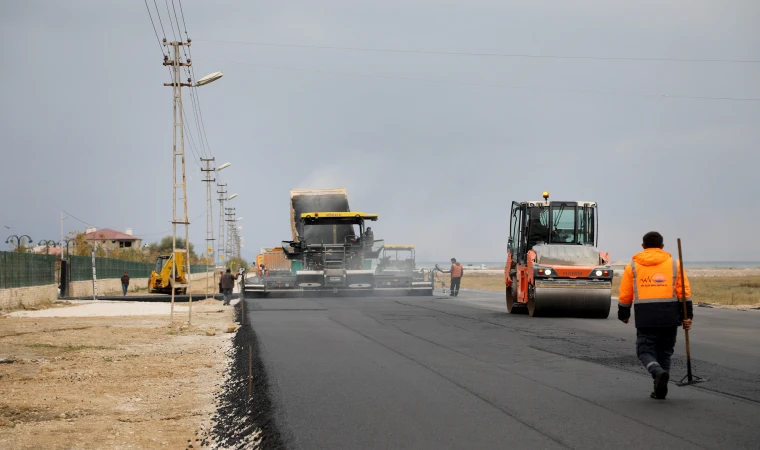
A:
<point x="685" y="311"/>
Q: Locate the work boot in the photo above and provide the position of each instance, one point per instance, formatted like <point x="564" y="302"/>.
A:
<point x="661" y="379"/>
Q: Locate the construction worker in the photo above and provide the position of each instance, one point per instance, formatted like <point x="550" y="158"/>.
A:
<point x="228" y="283"/>
<point x="652" y="285"/>
<point x="456" y="271"/>
<point x="369" y="238"/>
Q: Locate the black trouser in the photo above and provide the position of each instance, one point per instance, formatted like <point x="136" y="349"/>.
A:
<point x="455" y="284"/>
<point x="654" y="347"/>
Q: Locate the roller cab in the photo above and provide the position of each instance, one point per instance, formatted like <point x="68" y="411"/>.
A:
<point x="554" y="267"/>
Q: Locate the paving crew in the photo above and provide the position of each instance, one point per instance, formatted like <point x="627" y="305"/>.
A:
<point x="456" y="271"/>
<point x="652" y="285"/>
<point x="228" y="283"/>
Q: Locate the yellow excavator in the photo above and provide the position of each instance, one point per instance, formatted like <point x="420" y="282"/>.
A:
<point x="160" y="277"/>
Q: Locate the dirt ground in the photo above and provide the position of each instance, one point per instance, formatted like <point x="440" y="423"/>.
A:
<point x="111" y="382"/>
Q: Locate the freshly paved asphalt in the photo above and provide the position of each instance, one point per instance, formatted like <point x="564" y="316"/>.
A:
<point x="436" y="372"/>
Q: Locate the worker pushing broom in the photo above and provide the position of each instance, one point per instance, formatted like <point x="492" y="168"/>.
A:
<point x="651" y="284"/>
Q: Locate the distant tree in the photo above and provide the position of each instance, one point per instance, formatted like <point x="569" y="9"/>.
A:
<point x="131" y="254"/>
<point x="164" y="247"/>
<point x="79" y="245"/>
<point x="235" y="263"/>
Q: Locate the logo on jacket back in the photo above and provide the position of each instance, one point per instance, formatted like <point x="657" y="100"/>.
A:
<point x="655" y="280"/>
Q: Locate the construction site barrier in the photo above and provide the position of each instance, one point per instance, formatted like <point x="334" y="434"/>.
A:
<point x="27" y="270"/>
<point x="81" y="268"/>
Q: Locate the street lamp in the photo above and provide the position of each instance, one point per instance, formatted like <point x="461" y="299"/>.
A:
<point x="239" y="218"/>
<point x="223" y="166"/>
<point x="210" y="78"/>
<point x="18" y="239"/>
<point x="47" y="243"/>
<point x="68" y="241"/>
<point x="231" y="197"/>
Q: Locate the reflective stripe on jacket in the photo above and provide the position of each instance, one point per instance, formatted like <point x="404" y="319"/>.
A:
<point x="456" y="270"/>
<point x="652" y="285"/>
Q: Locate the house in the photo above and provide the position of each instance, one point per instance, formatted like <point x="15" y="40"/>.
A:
<point x="111" y="239"/>
<point x="42" y="250"/>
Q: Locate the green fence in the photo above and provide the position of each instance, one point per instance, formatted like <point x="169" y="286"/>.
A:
<point x="26" y="269"/>
<point x="81" y="268"/>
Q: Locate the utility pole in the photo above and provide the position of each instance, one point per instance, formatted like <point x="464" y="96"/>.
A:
<point x="178" y="182"/>
<point x="62" y="219"/>
<point x="222" y="191"/>
<point x="230" y="213"/>
<point x="209" y="216"/>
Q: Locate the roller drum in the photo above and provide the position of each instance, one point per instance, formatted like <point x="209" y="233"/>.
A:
<point x="568" y="299"/>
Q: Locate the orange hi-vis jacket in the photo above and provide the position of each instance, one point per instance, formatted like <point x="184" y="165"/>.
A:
<point x="456" y="270"/>
<point x="652" y="285"/>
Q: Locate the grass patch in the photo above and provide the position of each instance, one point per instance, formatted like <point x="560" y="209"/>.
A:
<point x="715" y="290"/>
<point x="71" y="348"/>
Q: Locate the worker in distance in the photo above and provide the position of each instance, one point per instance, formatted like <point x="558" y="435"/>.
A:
<point x="650" y="284"/>
<point x="457" y="272"/>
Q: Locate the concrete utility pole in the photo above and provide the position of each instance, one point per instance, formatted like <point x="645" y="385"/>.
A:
<point x="178" y="181"/>
<point x="209" y="216"/>
<point x="222" y="191"/>
<point x="230" y="214"/>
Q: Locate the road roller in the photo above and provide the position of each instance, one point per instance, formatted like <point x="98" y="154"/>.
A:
<point x="554" y="267"/>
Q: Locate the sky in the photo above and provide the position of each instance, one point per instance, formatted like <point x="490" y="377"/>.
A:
<point x="438" y="145"/>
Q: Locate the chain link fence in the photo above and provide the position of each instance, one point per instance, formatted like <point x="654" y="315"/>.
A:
<point x="27" y="269"/>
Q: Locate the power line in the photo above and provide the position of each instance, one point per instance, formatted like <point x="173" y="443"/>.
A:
<point x="168" y="13"/>
<point x="176" y="19"/>
<point x="195" y="107"/>
<point x="154" y="28"/>
<point x="183" y="14"/>
<point x="505" y="86"/>
<point x="77" y="219"/>
<point x="160" y="22"/>
<point x="141" y="234"/>
<point x="502" y="55"/>
<point x="195" y="98"/>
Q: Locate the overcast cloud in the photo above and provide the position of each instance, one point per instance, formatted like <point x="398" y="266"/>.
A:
<point x="86" y="123"/>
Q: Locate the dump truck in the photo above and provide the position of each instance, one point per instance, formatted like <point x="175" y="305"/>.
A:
<point x="274" y="261"/>
<point x="160" y="278"/>
<point x="309" y="200"/>
<point x="397" y="271"/>
<point x="554" y="267"/>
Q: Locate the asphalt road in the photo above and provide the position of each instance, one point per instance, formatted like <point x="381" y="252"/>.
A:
<point x="436" y="372"/>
